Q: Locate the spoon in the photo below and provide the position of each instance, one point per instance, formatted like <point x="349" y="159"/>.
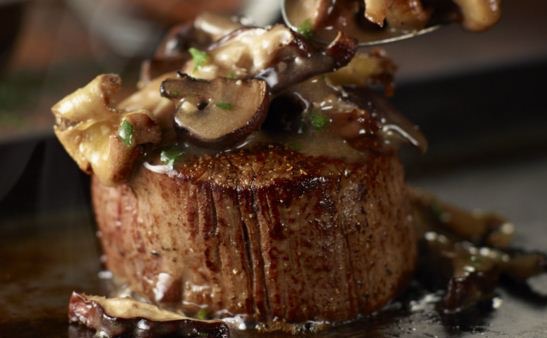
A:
<point x="365" y="40"/>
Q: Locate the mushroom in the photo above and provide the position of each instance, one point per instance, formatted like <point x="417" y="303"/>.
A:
<point x="219" y="112"/>
<point x="297" y="68"/>
<point x="366" y="69"/>
<point x="479" y="15"/>
<point x="312" y="12"/>
<point x="407" y="15"/>
<point x="101" y="139"/>
<point x="172" y="52"/>
<point x="115" y="317"/>
<point x="242" y="53"/>
<point x="468" y="253"/>
<point x="375" y="11"/>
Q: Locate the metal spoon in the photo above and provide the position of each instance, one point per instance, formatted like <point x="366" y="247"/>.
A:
<point x="372" y="41"/>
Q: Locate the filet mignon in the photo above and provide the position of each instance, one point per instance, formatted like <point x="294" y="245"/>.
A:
<point x="266" y="232"/>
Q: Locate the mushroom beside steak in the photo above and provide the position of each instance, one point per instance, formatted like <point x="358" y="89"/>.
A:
<point x="115" y="317"/>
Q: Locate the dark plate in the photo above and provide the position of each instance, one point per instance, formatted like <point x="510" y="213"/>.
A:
<point x="48" y="247"/>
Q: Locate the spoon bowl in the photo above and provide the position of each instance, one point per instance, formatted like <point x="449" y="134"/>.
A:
<point x="365" y="39"/>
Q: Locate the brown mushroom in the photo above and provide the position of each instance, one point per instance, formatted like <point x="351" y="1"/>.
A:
<point x="312" y="12"/>
<point x="172" y="52"/>
<point x="375" y="11"/>
<point x="219" y="112"/>
<point x="479" y="15"/>
<point x="101" y="139"/>
<point x="115" y="317"/>
<point x="297" y="68"/>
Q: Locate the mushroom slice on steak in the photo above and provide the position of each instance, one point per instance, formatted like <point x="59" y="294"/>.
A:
<point x="172" y="52"/>
<point x="297" y="68"/>
<point x="479" y="15"/>
<point x="220" y="111"/>
<point x="275" y="54"/>
<point x="100" y="138"/>
<point x="114" y="317"/>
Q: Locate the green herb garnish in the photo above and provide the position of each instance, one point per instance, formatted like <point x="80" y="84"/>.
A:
<point x="305" y="29"/>
<point x="201" y="314"/>
<point x="170" y="156"/>
<point x="125" y="132"/>
<point x="224" y="105"/>
<point x="199" y="57"/>
<point x="232" y="75"/>
<point x="318" y="120"/>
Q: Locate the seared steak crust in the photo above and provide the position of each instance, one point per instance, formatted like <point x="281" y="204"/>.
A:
<point x="270" y="233"/>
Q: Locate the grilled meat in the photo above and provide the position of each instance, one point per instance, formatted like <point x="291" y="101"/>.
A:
<point x="268" y="232"/>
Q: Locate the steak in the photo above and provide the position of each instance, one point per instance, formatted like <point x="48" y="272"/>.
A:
<point x="266" y="232"/>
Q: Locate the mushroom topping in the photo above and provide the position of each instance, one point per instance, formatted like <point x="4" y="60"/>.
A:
<point x="407" y="15"/>
<point x="159" y="108"/>
<point x="365" y="119"/>
<point x="242" y="53"/>
<point x="369" y="20"/>
<point x="479" y="15"/>
<point x="375" y="11"/>
<point x="373" y="68"/>
<point x="115" y="317"/>
<point x="297" y="68"/>
<point x="172" y="52"/>
<point x="101" y="139"/>
<point x="219" y="112"/>
<point x="308" y="14"/>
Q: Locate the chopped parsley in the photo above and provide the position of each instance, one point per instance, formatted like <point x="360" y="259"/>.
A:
<point x="224" y="105"/>
<point x="319" y="120"/>
<point x="125" y="132"/>
<point x="305" y="29"/>
<point x="170" y="156"/>
<point x="201" y="314"/>
<point x="199" y="57"/>
<point x="232" y="75"/>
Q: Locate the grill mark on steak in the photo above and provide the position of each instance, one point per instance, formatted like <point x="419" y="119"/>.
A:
<point x="209" y="226"/>
<point x="350" y="277"/>
<point x="254" y="195"/>
<point x="248" y="258"/>
<point x="261" y="206"/>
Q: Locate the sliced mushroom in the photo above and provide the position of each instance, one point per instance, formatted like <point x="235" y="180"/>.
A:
<point x="88" y="126"/>
<point x="206" y="28"/>
<point x="242" y="53"/>
<point x="297" y="68"/>
<point x="466" y="254"/>
<point x="477" y="227"/>
<point x="407" y="15"/>
<point x="479" y="15"/>
<point x="115" y="317"/>
<point x="367" y="69"/>
<point x="314" y="12"/>
<point x="219" y="112"/>
<point x="375" y="11"/>
<point x="172" y="53"/>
